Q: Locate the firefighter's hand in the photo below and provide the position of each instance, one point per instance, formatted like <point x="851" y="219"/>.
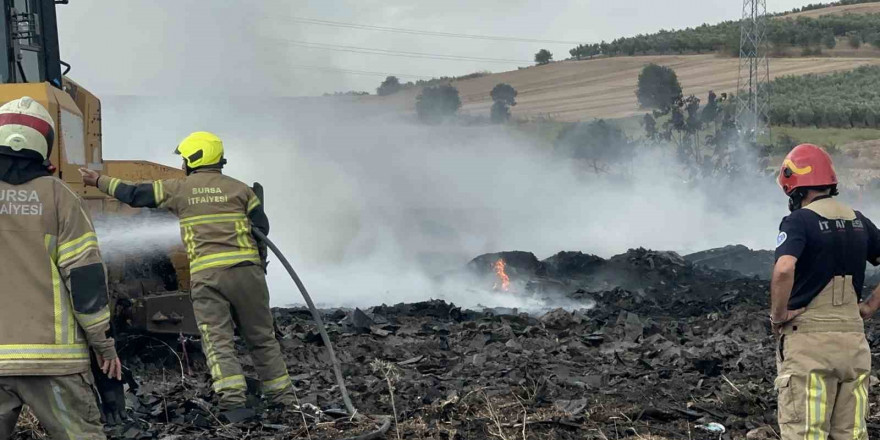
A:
<point x="866" y="310"/>
<point x="111" y="367"/>
<point x="776" y="322"/>
<point x="90" y="177"/>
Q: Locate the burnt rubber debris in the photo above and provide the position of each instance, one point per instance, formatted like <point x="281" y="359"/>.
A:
<point x="650" y="345"/>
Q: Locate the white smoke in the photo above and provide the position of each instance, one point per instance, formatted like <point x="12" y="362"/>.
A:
<point x="369" y="207"/>
<point x="132" y="234"/>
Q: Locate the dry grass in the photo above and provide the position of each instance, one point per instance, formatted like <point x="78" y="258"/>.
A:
<point x="391" y="374"/>
<point x="864" y="8"/>
<point x="605" y="88"/>
<point x="29" y="425"/>
<point x="859" y="162"/>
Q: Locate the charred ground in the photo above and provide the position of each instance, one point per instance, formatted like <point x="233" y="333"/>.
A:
<point x="662" y="348"/>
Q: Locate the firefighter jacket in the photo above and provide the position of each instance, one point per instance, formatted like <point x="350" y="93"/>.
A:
<point x="54" y="282"/>
<point x="216" y="214"/>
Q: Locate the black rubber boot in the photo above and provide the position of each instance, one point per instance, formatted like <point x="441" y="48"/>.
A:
<point x="237" y="415"/>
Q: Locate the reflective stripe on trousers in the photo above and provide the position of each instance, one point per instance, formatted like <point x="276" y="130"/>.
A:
<point x="823" y="361"/>
<point x="276" y="385"/>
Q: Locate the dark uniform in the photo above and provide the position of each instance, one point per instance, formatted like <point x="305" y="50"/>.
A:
<point x="823" y="358"/>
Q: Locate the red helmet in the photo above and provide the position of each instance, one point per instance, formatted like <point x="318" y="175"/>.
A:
<point x="806" y="166"/>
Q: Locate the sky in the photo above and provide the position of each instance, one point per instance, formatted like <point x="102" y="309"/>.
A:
<point x="255" y="48"/>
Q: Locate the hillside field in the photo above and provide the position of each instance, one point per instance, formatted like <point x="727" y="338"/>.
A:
<point x="863" y="8"/>
<point x="605" y="88"/>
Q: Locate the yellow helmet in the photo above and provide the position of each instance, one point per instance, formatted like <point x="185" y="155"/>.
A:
<point x="201" y="149"/>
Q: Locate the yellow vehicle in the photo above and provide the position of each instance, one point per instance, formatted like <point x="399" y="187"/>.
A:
<point x="152" y="300"/>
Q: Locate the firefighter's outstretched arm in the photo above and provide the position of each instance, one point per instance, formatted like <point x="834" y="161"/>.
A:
<point x="138" y="195"/>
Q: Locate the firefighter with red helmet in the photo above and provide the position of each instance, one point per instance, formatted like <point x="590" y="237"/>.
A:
<point x="822" y="358"/>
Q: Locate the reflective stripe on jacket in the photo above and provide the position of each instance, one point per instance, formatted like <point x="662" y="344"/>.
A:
<point x="54" y="282"/>
<point x="216" y="214"/>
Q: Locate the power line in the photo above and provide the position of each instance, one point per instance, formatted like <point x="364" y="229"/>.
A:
<point x="421" y="32"/>
<point x="357" y="72"/>
<point x="397" y="53"/>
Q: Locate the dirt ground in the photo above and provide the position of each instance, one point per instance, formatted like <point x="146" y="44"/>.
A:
<point x="661" y="349"/>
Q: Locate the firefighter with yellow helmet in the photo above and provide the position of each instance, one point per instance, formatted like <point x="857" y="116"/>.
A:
<point x="823" y="359"/>
<point x="227" y="265"/>
<point x="54" y="286"/>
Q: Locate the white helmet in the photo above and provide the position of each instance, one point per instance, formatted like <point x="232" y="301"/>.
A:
<point x="26" y="126"/>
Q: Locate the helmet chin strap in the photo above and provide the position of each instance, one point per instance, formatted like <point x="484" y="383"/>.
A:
<point x="796" y="199"/>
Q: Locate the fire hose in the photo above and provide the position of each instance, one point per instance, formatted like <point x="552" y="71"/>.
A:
<point x="340" y="381"/>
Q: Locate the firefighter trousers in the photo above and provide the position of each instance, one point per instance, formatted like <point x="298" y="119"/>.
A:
<point x="238" y="295"/>
<point x="64" y="405"/>
<point x="824" y="364"/>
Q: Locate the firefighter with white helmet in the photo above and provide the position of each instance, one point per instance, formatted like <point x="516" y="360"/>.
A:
<point x="54" y="286"/>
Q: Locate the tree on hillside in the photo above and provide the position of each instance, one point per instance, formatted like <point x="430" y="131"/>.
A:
<point x="543" y="57"/>
<point x="650" y="126"/>
<point x="692" y="106"/>
<point x="597" y="143"/>
<point x="503" y="97"/>
<point x="390" y="86"/>
<point x="829" y="41"/>
<point x="710" y="111"/>
<point x="437" y="103"/>
<point x="658" y="88"/>
<point x="874" y="39"/>
<point x="687" y="112"/>
<point x="855" y="41"/>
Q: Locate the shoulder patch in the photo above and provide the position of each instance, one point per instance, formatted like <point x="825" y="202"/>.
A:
<point x="781" y="238"/>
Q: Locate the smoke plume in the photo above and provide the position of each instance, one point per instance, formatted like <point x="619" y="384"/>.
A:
<point x="371" y="206"/>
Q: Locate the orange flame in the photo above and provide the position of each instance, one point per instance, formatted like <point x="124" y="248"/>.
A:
<point x="503" y="282"/>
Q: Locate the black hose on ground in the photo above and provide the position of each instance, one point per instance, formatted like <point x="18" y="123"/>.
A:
<point x="377" y="434"/>
<point x="340" y="381"/>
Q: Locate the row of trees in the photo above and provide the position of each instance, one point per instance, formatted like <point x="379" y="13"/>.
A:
<point x="845" y="99"/>
<point x="810" y="34"/>
<point x="392" y="84"/>
<point x="815" y="33"/>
